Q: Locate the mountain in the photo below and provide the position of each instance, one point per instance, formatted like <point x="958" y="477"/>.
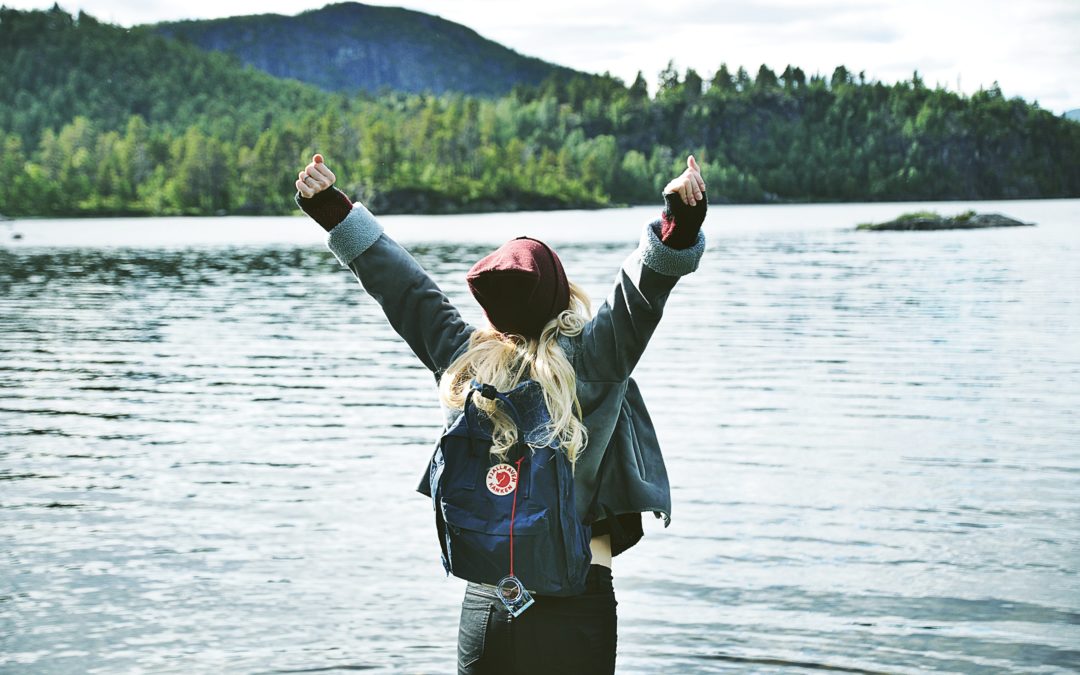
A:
<point x="1073" y="114"/>
<point x="55" y="66"/>
<point x="97" y="119"/>
<point x="351" y="46"/>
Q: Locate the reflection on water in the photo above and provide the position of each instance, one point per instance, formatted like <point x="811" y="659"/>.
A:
<point x="208" y="454"/>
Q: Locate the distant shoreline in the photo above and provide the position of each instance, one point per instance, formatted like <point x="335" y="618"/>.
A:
<point x="451" y="212"/>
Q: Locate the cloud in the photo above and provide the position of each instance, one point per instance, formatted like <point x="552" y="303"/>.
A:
<point x="736" y="12"/>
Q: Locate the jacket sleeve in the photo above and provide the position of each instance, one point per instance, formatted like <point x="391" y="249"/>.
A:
<point x="614" y="340"/>
<point x="413" y="303"/>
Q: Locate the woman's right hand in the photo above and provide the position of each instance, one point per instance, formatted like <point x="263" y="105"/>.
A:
<point x="689" y="185"/>
<point x="315" y="178"/>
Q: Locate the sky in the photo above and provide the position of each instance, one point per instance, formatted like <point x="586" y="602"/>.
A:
<point x="1030" y="47"/>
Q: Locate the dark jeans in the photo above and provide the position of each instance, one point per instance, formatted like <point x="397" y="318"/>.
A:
<point x="555" y="635"/>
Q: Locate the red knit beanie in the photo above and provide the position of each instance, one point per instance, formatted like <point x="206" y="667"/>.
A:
<point x="521" y="286"/>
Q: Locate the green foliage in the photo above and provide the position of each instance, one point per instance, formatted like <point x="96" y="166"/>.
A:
<point x="99" y="120"/>
<point x="919" y="215"/>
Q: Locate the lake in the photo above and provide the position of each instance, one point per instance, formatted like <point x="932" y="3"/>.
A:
<point x="210" y="440"/>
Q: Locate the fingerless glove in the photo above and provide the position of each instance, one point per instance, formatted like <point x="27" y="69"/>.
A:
<point x="680" y="223"/>
<point x="327" y="208"/>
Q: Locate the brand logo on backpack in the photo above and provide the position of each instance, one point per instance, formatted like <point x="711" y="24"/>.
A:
<point x="502" y="479"/>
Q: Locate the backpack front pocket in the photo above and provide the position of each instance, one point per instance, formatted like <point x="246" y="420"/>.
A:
<point x="480" y="549"/>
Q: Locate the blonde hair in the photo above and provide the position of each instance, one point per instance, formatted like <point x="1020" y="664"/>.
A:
<point x="504" y="359"/>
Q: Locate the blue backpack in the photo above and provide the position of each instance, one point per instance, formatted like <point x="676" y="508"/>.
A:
<point x="516" y="517"/>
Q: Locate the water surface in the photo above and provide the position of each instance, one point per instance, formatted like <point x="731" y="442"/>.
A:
<point x="210" y="440"/>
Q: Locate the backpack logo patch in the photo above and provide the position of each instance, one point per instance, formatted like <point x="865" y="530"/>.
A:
<point x="502" y="479"/>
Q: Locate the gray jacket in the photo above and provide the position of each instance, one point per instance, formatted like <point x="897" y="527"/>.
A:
<point x="621" y="471"/>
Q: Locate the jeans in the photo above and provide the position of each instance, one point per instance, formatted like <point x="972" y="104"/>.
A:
<point x="556" y="635"/>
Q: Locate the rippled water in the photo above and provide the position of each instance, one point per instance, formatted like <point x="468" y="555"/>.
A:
<point x="210" y="440"/>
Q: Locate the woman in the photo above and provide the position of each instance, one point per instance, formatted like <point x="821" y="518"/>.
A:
<point x="540" y="328"/>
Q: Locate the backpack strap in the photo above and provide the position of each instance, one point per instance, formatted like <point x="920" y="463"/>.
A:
<point x="470" y="481"/>
<point x="490" y="392"/>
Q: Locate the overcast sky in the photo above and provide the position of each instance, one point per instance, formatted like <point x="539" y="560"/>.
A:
<point x="1031" y="47"/>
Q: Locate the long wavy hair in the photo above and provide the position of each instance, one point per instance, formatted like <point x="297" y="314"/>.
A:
<point x="504" y="359"/>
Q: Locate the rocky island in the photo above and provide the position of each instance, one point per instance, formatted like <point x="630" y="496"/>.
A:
<point x="929" y="220"/>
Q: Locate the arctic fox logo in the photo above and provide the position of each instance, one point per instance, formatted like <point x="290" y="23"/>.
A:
<point x="502" y="479"/>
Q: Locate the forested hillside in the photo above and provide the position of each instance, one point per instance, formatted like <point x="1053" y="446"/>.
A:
<point x="351" y="47"/>
<point x="97" y="119"/>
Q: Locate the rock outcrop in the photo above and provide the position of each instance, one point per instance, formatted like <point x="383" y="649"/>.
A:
<point x="926" y="220"/>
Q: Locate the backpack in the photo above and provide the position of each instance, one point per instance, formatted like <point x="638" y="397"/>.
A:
<point x="498" y="520"/>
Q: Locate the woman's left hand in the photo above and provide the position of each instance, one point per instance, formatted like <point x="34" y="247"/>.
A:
<point x="689" y="184"/>
<point x="315" y="178"/>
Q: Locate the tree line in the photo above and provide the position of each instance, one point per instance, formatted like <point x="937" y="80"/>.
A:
<point x="105" y="120"/>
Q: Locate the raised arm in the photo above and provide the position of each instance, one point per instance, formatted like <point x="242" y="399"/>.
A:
<point x="670" y="247"/>
<point x="413" y="303"/>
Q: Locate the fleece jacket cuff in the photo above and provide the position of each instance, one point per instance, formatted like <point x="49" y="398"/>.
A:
<point x="354" y="235"/>
<point x="674" y="262"/>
